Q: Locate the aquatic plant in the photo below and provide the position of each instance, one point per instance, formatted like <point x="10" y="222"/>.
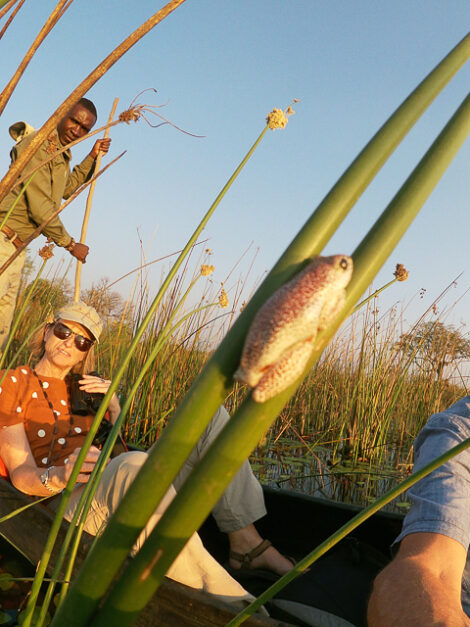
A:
<point x="195" y="500"/>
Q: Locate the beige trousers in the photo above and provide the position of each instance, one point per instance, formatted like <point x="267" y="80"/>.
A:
<point x="194" y="566"/>
<point x="9" y="286"/>
<point x="242" y="502"/>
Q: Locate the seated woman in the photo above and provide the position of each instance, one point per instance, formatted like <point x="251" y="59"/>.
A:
<point x="40" y="440"/>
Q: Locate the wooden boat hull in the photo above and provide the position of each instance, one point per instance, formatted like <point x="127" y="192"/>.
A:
<point x="174" y="604"/>
<point x="339" y="582"/>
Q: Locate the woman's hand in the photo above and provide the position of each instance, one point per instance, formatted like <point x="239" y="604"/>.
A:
<point x="64" y="472"/>
<point x="91" y="384"/>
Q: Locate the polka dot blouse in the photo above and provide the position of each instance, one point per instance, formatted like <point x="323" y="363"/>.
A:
<point x="22" y="400"/>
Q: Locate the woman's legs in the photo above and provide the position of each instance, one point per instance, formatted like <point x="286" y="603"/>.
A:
<point x="239" y="507"/>
<point x="242" y="501"/>
<point x="194" y="566"/>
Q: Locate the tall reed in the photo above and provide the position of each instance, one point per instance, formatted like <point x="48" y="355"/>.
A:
<point x="249" y="423"/>
<point x="215" y="381"/>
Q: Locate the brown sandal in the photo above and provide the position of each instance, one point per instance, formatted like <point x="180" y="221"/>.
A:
<point x="246" y="560"/>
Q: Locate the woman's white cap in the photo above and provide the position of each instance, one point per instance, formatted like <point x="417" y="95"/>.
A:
<point x="83" y="314"/>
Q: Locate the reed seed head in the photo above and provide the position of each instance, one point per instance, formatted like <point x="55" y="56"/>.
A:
<point x="206" y="270"/>
<point x="223" y="299"/>
<point x="401" y="273"/>
<point x="131" y="115"/>
<point x="276" y="119"/>
<point x="46" y="251"/>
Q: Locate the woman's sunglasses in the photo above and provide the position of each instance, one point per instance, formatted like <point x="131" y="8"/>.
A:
<point x="62" y="331"/>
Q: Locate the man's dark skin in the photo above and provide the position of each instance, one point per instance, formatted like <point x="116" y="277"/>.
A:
<point x="76" y="124"/>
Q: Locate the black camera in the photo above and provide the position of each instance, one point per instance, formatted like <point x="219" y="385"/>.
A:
<point x="83" y="403"/>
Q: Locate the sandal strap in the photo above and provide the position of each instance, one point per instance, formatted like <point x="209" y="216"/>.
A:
<point x="247" y="558"/>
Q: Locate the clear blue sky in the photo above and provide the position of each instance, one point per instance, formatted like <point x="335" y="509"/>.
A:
<point x="223" y="65"/>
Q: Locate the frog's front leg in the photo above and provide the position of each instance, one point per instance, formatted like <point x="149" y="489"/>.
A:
<point x="281" y="374"/>
<point x="331" y="310"/>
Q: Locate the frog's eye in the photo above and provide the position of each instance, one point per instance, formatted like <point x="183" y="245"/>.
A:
<point x="343" y="263"/>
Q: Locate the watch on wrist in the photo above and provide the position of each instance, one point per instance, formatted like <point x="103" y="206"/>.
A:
<point x="71" y="245"/>
<point x="45" y="481"/>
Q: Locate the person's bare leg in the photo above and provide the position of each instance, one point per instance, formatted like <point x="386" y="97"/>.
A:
<point x="245" y="540"/>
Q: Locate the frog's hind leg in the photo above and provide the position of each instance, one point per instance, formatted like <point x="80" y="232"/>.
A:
<point x="281" y="374"/>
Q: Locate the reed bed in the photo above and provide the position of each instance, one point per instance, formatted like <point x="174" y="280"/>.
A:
<point x="346" y="434"/>
<point x="348" y="431"/>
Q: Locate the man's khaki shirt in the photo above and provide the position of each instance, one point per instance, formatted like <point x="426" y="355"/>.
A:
<point x="44" y="194"/>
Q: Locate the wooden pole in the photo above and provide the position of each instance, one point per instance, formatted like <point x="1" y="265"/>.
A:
<point x="18" y="166"/>
<point x="5" y="9"/>
<point x="78" y="271"/>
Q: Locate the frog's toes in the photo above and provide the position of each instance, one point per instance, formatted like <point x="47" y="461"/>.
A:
<point x="250" y="376"/>
<point x="281" y="374"/>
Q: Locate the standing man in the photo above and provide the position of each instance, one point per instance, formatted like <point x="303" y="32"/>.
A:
<point x="42" y="197"/>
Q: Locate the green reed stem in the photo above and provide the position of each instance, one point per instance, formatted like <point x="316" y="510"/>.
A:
<point x="88" y="494"/>
<point x="119" y="556"/>
<point x="22" y="509"/>
<point x="212" y="385"/>
<point x="154" y="427"/>
<point x="208" y="481"/>
<point x="374" y="295"/>
<point x="76" y="527"/>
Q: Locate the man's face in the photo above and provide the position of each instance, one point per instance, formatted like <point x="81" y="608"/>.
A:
<point x="77" y="123"/>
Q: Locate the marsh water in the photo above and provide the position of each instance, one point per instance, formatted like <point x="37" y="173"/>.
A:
<point x="323" y="472"/>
